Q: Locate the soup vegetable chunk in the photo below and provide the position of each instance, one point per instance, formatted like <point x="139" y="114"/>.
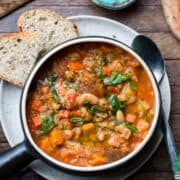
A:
<point x="92" y="104"/>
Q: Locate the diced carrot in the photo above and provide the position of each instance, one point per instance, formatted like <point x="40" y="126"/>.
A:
<point x="106" y="70"/>
<point x="73" y="66"/>
<point x="131" y="118"/>
<point x="98" y="160"/>
<point x="36" y="104"/>
<point x="36" y="122"/>
<point x="87" y="128"/>
<point x="56" y="137"/>
<point x="63" y="114"/>
<point x="44" y="144"/>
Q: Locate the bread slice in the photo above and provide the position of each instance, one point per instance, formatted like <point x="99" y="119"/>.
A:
<point x="18" y="53"/>
<point x="52" y="28"/>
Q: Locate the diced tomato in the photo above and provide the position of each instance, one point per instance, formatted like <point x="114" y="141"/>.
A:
<point x="36" y="104"/>
<point x="63" y="114"/>
<point x="36" y="122"/>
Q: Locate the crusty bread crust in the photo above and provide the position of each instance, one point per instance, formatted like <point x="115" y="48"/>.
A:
<point x="172" y="13"/>
<point x="51" y="28"/>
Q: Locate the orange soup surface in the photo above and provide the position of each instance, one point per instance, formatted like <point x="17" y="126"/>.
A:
<point x="90" y="104"/>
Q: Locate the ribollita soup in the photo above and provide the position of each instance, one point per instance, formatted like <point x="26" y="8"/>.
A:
<point x="90" y="104"/>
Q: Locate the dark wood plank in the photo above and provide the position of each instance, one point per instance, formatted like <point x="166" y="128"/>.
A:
<point x="141" y="18"/>
<point x="85" y="2"/>
<point x="173" y="70"/>
<point x="152" y="175"/>
<point x="175" y="107"/>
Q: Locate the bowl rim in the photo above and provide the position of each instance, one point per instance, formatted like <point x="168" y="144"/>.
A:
<point x="46" y="57"/>
<point x="117" y="6"/>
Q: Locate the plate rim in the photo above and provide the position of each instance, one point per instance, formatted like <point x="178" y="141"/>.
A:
<point x="108" y="20"/>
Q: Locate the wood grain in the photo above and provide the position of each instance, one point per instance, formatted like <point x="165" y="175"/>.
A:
<point x="86" y="2"/>
<point x="7" y="6"/>
<point x="140" y="18"/>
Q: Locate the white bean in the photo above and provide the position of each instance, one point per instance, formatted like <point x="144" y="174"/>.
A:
<point x="87" y="98"/>
<point x="120" y="116"/>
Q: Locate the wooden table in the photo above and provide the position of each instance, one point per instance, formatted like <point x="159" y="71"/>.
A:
<point x="146" y="16"/>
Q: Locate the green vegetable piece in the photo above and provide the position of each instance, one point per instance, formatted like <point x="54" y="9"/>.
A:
<point x="92" y="109"/>
<point x="100" y="74"/>
<point x="133" y="85"/>
<point x="47" y="124"/>
<point x="128" y="125"/>
<point x="105" y="62"/>
<point x="78" y="120"/>
<point x="116" y="78"/>
<point x="131" y="127"/>
<point x="53" y="76"/>
<point x="176" y="166"/>
<point x="116" y="104"/>
<point x="54" y="94"/>
<point x="73" y="86"/>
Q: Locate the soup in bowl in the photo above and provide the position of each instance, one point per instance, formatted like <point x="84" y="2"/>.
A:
<point x="93" y="104"/>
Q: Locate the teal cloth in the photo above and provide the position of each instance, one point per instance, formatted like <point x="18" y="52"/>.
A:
<point x="112" y="1"/>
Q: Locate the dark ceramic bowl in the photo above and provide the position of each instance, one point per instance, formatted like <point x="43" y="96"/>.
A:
<point x="22" y="154"/>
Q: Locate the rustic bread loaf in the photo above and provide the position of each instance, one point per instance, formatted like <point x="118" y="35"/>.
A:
<point x="52" y="28"/>
<point x="172" y="14"/>
<point x="18" y="53"/>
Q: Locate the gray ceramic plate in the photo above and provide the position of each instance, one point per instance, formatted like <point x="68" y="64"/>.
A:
<point x="10" y="99"/>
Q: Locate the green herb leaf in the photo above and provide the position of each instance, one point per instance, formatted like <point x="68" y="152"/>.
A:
<point x="131" y="127"/>
<point x="54" y="94"/>
<point x="78" y="120"/>
<point x="73" y="86"/>
<point x="116" y="104"/>
<point x="176" y="166"/>
<point x="128" y="125"/>
<point x="92" y="109"/>
<point x="53" y="76"/>
<point x="105" y="62"/>
<point x="116" y="78"/>
<point x="133" y="85"/>
<point x="100" y="73"/>
<point x="47" y="124"/>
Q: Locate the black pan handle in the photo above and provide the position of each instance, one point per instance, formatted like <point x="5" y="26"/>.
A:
<point x="15" y="159"/>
